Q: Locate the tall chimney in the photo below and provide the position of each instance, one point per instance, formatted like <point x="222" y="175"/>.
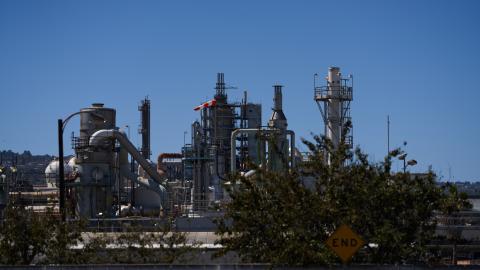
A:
<point x="144" y="130"/>
<point x="278" y="119"/>
<point x="220" y="85"/>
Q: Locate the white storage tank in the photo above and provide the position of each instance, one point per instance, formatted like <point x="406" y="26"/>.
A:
<point x="51" y="172"/>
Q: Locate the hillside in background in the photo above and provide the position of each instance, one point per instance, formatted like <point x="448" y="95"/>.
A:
<point x="30" y="168"/>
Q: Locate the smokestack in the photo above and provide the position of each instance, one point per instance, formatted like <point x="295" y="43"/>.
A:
<point x="220" y="86"/>
<point x="278" y="119"/>
<point x="277" y="98"/>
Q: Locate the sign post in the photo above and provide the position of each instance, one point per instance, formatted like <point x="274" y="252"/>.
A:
<point x="345" y="243"/>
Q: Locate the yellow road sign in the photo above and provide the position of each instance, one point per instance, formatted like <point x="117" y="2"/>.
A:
<point x="344" y="242"/>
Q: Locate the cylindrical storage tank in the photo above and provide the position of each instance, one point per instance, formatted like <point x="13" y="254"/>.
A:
<point x="51" y="172"/>
<point x="148" y="201"/>
<point x="72" y="162"/>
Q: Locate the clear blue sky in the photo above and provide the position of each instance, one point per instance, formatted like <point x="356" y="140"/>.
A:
<point x="417" y="61"/>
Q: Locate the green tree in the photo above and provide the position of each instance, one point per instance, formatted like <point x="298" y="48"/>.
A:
<point x="161" y="245"/>
<point x="23" y="235"/>
<point x="95" y="248"/>
<point x="63" y="238"/>
<point x="449" y="216"/>
<point x="27" y="237"/>
<point x="275" y="218"/>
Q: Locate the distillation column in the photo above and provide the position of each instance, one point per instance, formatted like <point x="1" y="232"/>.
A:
<point x="144" y="129"/>
<point x="333" y="128"/>
<point x="95" y="185"/>
<point x="333" y="101"/>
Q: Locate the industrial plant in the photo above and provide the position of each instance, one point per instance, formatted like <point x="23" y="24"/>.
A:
<point x="110" y="181"/>
<point x="109" y="177"/>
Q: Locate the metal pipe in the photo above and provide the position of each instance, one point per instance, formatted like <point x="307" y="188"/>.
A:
<point x="160" y="188"/>
<point x="249" y="173"/>
<point x="233" y="137"/>
<point x="216" y="165"/>
<point x="147" y="183"/>
<point x="97" y="137"/>
<point x="132" y="184"/>
<point x="292" y="147"/>
<point x="236" y="132"/>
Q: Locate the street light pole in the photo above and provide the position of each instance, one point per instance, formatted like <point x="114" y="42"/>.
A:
<point x="184" y="156"/>
<point x="61" y="172"/>
<point x="411" y="162"/>
<point x="404" y="158"/>
<point x="132" y="169"/>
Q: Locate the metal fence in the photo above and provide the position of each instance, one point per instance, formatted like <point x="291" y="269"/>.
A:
<point x="232" y="267"/>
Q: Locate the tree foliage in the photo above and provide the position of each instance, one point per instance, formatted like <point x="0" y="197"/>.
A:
<point x="162" y="245"/>
<point x="279" y="218"/>
<point x="23" y="235"/>
<point x="28" y="237"/>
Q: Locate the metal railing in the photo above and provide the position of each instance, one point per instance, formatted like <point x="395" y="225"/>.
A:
<point x="343" y="93"/>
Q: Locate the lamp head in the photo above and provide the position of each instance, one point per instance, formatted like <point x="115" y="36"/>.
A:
<point x="412" y="162"/>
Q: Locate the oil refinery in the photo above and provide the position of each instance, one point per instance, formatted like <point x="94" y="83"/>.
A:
<point x="110" y="182"/>
<point x="109" y="177"/>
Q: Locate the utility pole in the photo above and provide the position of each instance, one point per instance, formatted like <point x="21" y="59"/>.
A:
<point x="388" y="134"/>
